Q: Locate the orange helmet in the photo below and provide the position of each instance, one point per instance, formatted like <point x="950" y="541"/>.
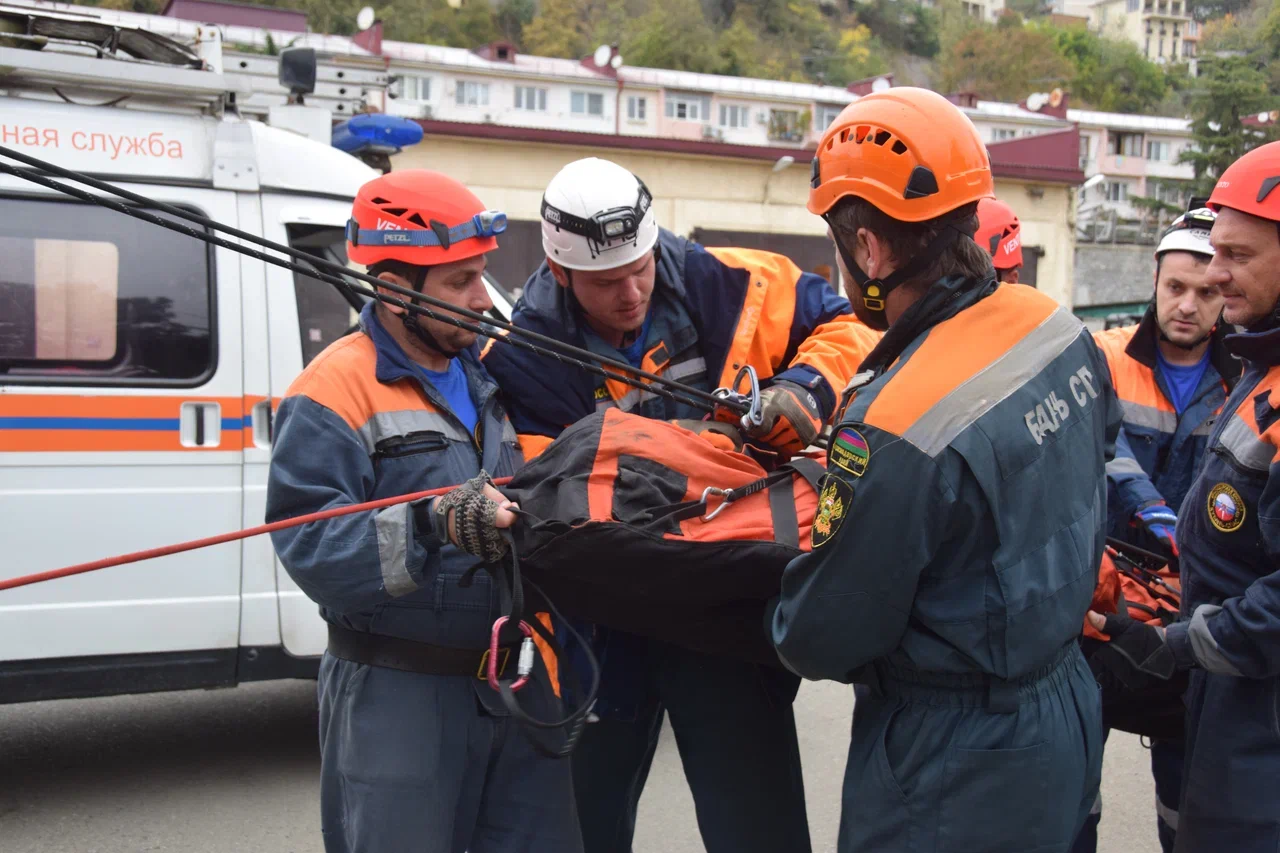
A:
<point x="422" y="218"/>
<point x="1248" y="184"/>
<point x="1000" y="233"/>
<point x="910" y="152"/>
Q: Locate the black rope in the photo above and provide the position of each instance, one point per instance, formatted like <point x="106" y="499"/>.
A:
<point x="551" y="348"/>
<point x="688" y="396"/>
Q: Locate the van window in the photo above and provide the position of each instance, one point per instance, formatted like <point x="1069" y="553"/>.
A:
<point x="325" y="313"/>
<point x="89" y="296"/>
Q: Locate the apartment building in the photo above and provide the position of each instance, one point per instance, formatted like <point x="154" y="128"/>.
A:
<point x="498" y="85"/>
<point x="1163" y="30"/>
<point x="1137" y="157"/>
<point x="1123" y="157"/>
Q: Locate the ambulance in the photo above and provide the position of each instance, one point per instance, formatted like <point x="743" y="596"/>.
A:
<point x="139" y="367"/>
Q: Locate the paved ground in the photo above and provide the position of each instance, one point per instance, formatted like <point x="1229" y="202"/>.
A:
<point x="234" y="771"/>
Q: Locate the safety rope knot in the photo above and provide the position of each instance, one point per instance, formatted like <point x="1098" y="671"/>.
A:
<point x="473" y="519"/>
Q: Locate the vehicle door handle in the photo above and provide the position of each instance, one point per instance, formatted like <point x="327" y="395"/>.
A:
<point x="261" y="416"/>
<point x="200" y="425"/>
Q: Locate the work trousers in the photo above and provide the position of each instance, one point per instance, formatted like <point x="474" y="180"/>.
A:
<point x="1231" y="793"/>
<point x="1166" y="770"/>
<point x="415" y="763"/>
<point x="947" y="769"/>
<point x="736" y="734"/>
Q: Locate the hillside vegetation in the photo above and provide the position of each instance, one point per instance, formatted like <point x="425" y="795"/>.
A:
<point x="833" y="42"/>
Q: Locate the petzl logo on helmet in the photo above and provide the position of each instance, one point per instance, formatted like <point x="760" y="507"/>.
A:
<point x="551" y="215"/>
<point x="1226" y="508"/>
<point x="396" y="238"/>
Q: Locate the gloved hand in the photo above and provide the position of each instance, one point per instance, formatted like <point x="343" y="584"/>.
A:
<point x="716" y="433"/>
<point x="792" y="419"/>
<point x="1135" y="652"/>
<point x="472" y="515"/>
<point x="1161" y="524"/>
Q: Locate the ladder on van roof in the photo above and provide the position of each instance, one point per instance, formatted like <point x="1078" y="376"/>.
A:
<point x="77" y="57"/>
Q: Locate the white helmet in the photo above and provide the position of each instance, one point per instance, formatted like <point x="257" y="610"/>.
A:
<point x="1189" y="233"/>
<point x="597" y="216"/>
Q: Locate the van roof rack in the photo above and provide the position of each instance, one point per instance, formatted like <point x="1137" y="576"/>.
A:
<point x="34" y="30"/>
<point x="77" y="57"/>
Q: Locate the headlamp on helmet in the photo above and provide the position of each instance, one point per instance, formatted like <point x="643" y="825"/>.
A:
<point x="488" y="223"/>
<point x="608" y="229"/>
<point x="1189" y="233"/>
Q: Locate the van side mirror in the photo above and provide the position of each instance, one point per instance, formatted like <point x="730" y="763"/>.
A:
<point x="298" y="70"/>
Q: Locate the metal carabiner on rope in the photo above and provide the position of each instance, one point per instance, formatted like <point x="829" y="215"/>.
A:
<point x="524" y="664"/>
<point x="727" y="494"/>
<point x="734" y="402"/>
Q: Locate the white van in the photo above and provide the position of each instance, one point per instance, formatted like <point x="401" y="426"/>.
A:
<point x="139" y="368"/>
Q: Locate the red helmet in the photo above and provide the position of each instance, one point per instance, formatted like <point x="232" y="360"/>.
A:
<point x="1248" y="184"/>
<point x="422" y="218"/>
<point x="1000" y="233"/>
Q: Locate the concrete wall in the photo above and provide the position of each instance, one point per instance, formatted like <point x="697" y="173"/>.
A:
<point x="1108" y="274"/>
<point x="713" y="193"/>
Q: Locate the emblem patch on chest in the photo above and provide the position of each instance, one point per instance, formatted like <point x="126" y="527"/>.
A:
<point x="833" y="506"/>
<point x="1226" y="508"/>
<point x="849" y="452"/>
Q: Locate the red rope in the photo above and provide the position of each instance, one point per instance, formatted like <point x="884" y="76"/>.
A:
<point x="283" y="524"/>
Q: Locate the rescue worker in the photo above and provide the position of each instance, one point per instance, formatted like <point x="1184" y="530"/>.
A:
<point x="1172" y="374"/>
<point x="620" y="285"/>
<point x="417" y="751"/>
<point x="1000" y="233"/>
<point x="1229" y="540"/>
<point x="960" y="521"/>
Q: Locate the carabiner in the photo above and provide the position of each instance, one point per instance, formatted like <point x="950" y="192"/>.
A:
<point x="720" y="493"/>
<point x="525" y="665"/>
<point x="733" y="398"/>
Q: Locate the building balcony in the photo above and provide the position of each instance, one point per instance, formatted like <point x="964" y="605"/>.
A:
<point x="1122" y="166"/>
<point x="1170" y="170"/>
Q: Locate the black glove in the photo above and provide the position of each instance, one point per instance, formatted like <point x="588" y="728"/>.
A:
<point x="474" y="514"/>
<point x="1136" y="653"/>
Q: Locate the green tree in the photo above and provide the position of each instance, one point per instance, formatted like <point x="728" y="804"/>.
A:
<point x="561" y="28"/>
<point x="739" y="50"/>
<point x="902" y="26"/>
<point x="1110" y="75"/>
<point x="513" y="16"/>
<point x="1230" y="89"/>
<point x="1004" y="63"/>
<point x="672" y="34"/>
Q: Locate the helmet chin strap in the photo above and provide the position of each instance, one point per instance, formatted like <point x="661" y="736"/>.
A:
<point x="875" y="291"/>
<point x="417" y="330"/>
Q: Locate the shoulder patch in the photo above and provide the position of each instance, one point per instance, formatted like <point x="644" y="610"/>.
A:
<point x="849" y="451"/>
<point x="833" y="506"/>
<point x="1226" y="508"/>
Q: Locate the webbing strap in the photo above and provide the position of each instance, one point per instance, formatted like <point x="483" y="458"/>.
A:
<point x="782" y="506"/>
